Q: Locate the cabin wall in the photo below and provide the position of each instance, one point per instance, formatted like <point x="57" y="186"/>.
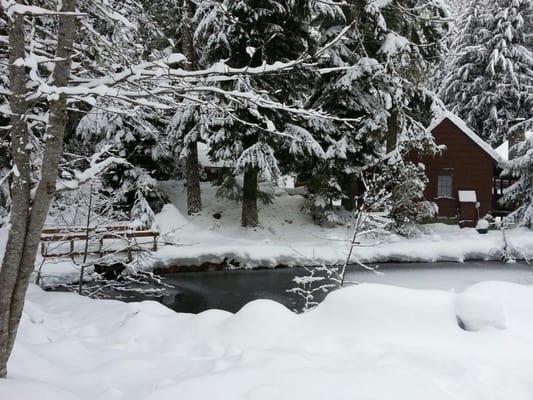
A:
<point x="470" y="167"/>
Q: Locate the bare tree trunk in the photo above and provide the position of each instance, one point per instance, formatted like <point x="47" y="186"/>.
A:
<point x="349" y="186"/>
<point x="194" y="195"/>
<point x="250" y="215"/>
<point x="393" y="129"/>
<point x="20" y="190"/>
<point x="26" y="251"/>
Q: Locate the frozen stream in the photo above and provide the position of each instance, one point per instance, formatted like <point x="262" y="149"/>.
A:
<point x="230" y="290"/>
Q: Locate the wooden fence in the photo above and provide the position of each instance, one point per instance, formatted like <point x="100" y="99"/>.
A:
<point x="100" y="234"/>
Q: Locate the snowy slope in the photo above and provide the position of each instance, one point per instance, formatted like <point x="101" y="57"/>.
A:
<point x="367" y="342"/>
<point x="289" y="237"/>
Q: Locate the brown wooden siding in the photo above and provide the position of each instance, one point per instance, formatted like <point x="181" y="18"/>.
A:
<point x="470" y="166"/>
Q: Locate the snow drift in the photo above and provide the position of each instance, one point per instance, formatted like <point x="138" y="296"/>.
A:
<point x="364" y="342"/>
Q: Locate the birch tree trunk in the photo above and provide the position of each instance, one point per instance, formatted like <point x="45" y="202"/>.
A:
<point x="28" y="220"/>
<point x="194" y="196"/>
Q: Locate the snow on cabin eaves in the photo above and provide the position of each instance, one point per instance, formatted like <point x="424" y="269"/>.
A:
<point x="503" y="150"/>
<point x="459" y="123"/>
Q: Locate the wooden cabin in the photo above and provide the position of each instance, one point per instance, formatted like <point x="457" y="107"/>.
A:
<point x="461" y="178"/>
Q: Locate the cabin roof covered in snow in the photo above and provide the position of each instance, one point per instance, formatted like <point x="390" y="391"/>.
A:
<point x="503" y="150"/>
<point x="459" y="123"/>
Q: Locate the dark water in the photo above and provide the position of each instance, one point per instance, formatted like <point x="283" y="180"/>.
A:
<point x="194" y="292"/>
<point x="230" y="290"/>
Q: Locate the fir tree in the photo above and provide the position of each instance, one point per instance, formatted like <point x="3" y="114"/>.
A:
<point x="186" y="128"/>
<point x="489" y="79"/>
<point x="389" y="55"/>
<point x="520" y="193"/>
<point x="130" y="187"/>
<point x="249" y="33"/>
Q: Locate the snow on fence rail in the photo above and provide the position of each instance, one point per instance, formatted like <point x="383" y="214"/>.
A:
<point x="72" y="235"/>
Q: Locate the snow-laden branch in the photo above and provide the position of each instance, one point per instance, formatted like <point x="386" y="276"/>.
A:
<point x="6" y="176"/>
<point x="11" y="7"/>
<point x="140" y="98"/>
<point x="221" y="69"/>
<point x="96" y="168"/>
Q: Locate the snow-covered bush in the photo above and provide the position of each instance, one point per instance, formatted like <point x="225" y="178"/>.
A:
<point x="398" y="190"/>
<point x="482" y="225"/>
<point x="133" y="193"/>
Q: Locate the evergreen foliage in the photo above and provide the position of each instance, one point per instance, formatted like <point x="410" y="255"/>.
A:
<point x="250" y="33"/>
<point x="520" y="193"/>
<point x="489" y="79"/>
<point x="129" y="187"/>
<point x="391" y="49"/>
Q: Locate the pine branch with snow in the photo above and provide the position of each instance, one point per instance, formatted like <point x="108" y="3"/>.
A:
<point x="520" y="193"/>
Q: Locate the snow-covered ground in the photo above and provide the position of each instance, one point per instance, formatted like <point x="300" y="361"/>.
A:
<point x="363" y="342"/>
<point x="369" y="341"/>
<point x="289" y="237"/>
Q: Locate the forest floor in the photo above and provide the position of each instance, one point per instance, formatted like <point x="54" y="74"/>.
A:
<point x="366" y="342"/>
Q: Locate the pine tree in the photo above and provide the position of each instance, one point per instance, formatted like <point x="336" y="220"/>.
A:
<point x="175" y="19"/>
<point x="186" y="128"/>
<point x="130" y="188"/>
<point x="389" y="55"/>
<point x="249" y="33"/>
<point x="489" y="79"/>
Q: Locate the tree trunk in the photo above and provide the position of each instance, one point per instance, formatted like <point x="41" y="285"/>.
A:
<point x="393" y="130"/>
<point x="20" y="189"/>
<point x="349" y="186"/>
<point x="194" y="198"/>
<point x="250" y="216"/>
<point x="26" y="251"/>
<point x="194" y="194"/>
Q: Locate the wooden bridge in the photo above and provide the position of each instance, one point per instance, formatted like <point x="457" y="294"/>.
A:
<point x="100" y="235"/>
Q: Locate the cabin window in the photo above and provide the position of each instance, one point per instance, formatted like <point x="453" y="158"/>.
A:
<point x="444" y="188"/>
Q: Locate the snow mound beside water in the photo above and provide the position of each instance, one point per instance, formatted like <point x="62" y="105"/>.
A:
<point x="476" y="313"/>
<point x="365" y="342"/>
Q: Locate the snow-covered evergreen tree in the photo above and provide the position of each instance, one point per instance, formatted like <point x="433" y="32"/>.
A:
<point x="398" y="190"/>
<point x="489" y="78"/>
<point x="130" y="186"/>
<point x="386" y="60"/>
<point x="520" y="193"/>
<point x="175" y="19"/>
<point x="187" y="127"/>
<point x="249" y="33"/>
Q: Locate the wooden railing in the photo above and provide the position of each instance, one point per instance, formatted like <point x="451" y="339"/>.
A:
<point x="102" y="233"/>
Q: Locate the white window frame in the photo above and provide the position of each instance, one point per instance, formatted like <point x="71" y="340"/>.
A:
<point x="445" y="186"/>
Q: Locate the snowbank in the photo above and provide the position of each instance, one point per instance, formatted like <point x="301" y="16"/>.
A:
<point x="289" y="237"/>
<point x="364" y="342"/>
